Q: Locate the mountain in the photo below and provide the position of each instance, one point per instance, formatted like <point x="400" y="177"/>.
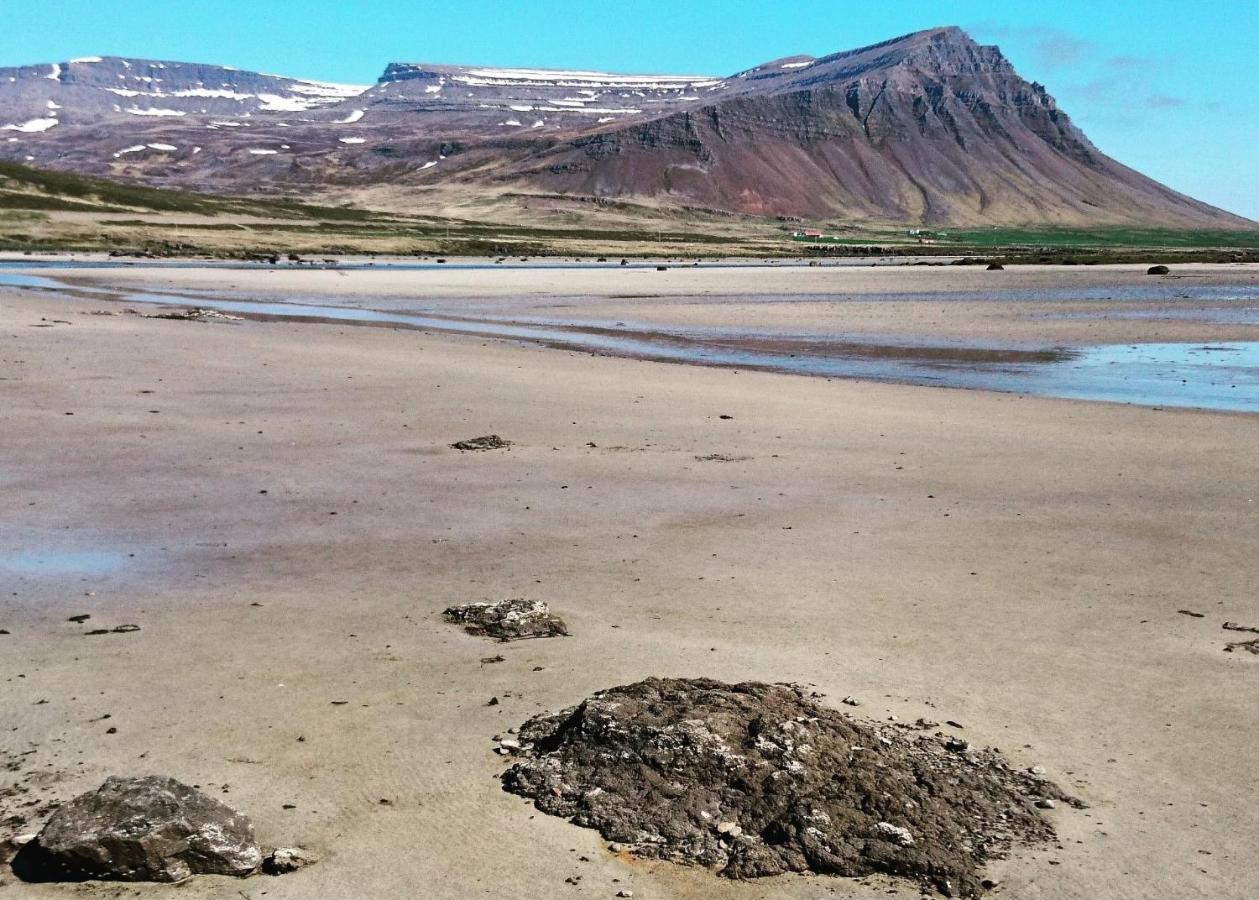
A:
<point x="928" y="128"/>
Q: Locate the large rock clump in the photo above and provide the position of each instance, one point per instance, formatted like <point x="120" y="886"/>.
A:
<point x="145" y="829"/>
<point x="757" y="779"/>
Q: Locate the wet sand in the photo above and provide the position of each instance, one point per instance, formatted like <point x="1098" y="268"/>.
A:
<point x="1038" y="305"/>
<point x="1013" y="564"/>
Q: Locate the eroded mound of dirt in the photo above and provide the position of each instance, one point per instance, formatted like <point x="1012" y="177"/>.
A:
<point x="508" y="620"/>
<point x="757" y="779"/>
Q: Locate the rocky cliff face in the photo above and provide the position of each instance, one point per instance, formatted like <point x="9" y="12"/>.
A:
<point x="929" y="128"/>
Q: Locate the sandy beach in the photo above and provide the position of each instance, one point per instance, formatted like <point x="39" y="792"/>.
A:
<point x="277" y="506"/>
<point x="1039" y="305"/>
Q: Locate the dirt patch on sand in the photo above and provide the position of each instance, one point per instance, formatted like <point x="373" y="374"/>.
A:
<point x="508" y="620"/>
<point x="756" y="779"/>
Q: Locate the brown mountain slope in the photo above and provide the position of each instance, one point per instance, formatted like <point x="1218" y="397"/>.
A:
<point x="930" y="128"/>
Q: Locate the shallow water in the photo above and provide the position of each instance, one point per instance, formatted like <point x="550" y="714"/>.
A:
<point x="1224" y="377"/>
<point x="60" y="562"/>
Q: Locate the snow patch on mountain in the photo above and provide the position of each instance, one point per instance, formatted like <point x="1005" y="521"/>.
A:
<point x="155" y="112"/>
<point x="34" y="126"/>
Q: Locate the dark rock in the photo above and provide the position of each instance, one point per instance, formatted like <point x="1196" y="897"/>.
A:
<point x="120" y="629"/>
<point x="508" y="620"/>
<point x="1191" y="613"/>
<point x="995" y="267"/>
<point x="1158" y="270"/>
<point x="1233" y="626"/>
<point x="755" y="780"/>
<point x="283" y="860"/>
<point x="487" y="442"/>
<point x="1244" y="646"/>
<point x="79" y="619"/>
<point x="143" y="829"/>
<point x="194" y="314"/>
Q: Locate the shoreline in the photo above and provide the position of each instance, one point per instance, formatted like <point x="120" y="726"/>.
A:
<point x="1110" y="336"/>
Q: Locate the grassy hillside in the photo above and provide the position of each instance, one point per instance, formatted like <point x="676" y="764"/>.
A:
<point x="53" y="211"/>
<point x="25" y="188"/>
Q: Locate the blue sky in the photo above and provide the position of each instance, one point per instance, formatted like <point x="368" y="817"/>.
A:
<point x="1168" y="87"/>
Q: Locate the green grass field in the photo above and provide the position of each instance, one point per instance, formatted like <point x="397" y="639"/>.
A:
<point x="1144" y="238"/>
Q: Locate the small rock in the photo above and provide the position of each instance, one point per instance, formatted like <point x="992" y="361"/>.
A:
<point x="507" y="620"/>
<point x="730" y="828"/>
<point x="1157" y="270"/>
<point x="485" y="442"/>
<point x="900" y="835"/>
<point x="1046" y="803"/>
<point x="283" y="860"/>
<point x="624" y="893"/>
<point x="851" y="701"/>
<point x="509" y="744"/>
<point x="957" y="745"/>
<point x="145" y="829"/>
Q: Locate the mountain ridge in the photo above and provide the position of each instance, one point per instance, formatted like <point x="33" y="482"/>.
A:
<point x="929" y="128"/>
